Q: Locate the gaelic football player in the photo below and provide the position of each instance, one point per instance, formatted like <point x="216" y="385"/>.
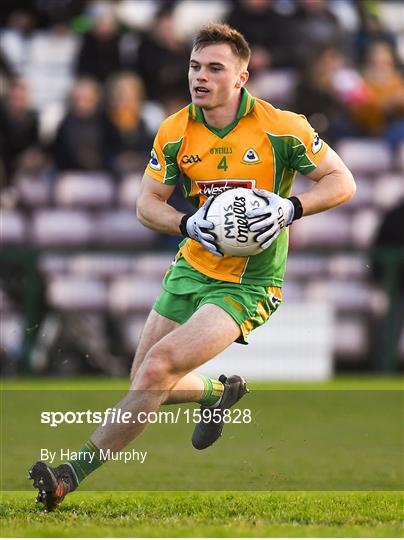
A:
<point x="225" y="138"/>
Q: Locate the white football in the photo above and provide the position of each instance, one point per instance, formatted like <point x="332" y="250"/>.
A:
<point x="228" y="214"/>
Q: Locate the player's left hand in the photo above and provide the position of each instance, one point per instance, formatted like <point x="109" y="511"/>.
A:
<point x="272" y="218"/>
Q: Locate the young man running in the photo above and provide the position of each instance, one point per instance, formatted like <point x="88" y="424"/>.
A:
<point x="225" y="138"/>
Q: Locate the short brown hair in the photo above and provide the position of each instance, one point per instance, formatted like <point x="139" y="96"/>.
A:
<point x="214" y="33"/>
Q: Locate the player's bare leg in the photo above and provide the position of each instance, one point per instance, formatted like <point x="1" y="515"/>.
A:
<point x="190" y="387"/>
<point x="156" y="327"/>
<point x="208" y="332"/>
<point x="165" y="365"/>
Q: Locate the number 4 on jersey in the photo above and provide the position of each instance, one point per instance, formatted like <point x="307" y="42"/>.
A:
<point x="223" y="164"/>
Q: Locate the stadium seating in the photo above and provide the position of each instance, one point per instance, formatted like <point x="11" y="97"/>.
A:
<point x="388" y="189"/>
<point x="13" y="227"/>
<point x="34" y="191"/>
<point x="121" y="227"/>
<point x="76" y="293"/>
<point x="81" y="189"/>
<point x="92" y="210"/>
<point x="363" y="156"/>
<point x="331" y="229"/>
<point x="59" y="228"/>
<point x="129" y="190"/>
<point x="133" y="294"/>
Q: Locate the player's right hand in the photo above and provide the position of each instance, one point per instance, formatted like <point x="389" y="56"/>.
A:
<point x="197" y="227"/>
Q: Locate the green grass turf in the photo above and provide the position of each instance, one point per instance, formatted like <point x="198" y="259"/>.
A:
<point x="105" y="383"/>
<point x="171" y="514"/>
<point x="203" y="514"/>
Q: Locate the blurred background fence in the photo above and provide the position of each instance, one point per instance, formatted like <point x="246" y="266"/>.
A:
<point x="84" y="86"/>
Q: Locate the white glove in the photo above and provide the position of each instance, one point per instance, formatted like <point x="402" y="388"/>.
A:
<point x="277" y="214"/>
<point x="197" y="227"/>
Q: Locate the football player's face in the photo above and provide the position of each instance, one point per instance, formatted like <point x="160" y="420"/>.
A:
<point x="215" y="75"/>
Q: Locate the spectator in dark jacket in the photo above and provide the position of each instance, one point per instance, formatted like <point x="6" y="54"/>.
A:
<point x="85" y="139"/>
<point x="163" y="61"/>
<point x="265" y="30"/>
<point x="315" y="27"/>
<point x="99" y="55"/>
<point x="124" y="107"/>
<point x="18" y="127"/>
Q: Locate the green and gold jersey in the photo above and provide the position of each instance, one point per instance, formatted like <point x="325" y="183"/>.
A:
<point x="263" y="148"/>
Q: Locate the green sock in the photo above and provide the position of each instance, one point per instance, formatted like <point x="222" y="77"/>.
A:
<point x="88" y="460"/>
<point x="213" y="391"/>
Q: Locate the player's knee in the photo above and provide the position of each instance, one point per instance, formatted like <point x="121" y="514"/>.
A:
<point x="154" y="373"/>
<point x="158" y="370"/>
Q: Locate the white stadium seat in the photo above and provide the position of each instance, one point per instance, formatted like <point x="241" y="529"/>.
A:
<point x="84" y="189"/>
<point x="121" y="227"/>
<point x="190" y="15"/>
<point x="292" y="290"/>
<point x="276" y="86"/>
<point x="53" y="263"/>
<point x="351" y="337"/>
<point x="72" y="293"/>
<point x="344" y="295"/>
<point x="12" y="227"/>
<point x="153" y="266"/>
<point x="102" y="265"/>
<point x="137" y="14"/>
<point x="58" y="227"/>
<point x="129" y="293"/>
<point x="371" y="156"/>
<point x="303" y="266"/>
<point x="364" y="195"/>
<point x="388" y="190"/>
<point x="364" y="226"/>
<point x="131" y="327"/>
<point x="128" y="191"/>
<point x="34" y="191"/>
<point x="348" y="266"/>
<point x="12" y="332"/>
<point x="328" y="229"/>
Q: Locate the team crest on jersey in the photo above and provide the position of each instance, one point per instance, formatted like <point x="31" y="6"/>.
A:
<point x="317" y="144"/>
<point x="251" y="156"/>
<point x="154" y="161"/>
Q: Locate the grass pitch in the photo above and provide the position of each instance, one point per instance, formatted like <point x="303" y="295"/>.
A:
<point x="207" y="513"/>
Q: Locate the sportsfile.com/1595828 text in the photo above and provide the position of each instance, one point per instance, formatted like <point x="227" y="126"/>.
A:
<point x="114" y="415"/>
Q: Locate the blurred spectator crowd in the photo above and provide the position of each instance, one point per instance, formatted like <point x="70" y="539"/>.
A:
<point x="84" y="86"/>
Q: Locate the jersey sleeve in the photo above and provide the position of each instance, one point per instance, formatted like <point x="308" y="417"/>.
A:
<point x="163" y="165"/>
<point x="307" y="150"/>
